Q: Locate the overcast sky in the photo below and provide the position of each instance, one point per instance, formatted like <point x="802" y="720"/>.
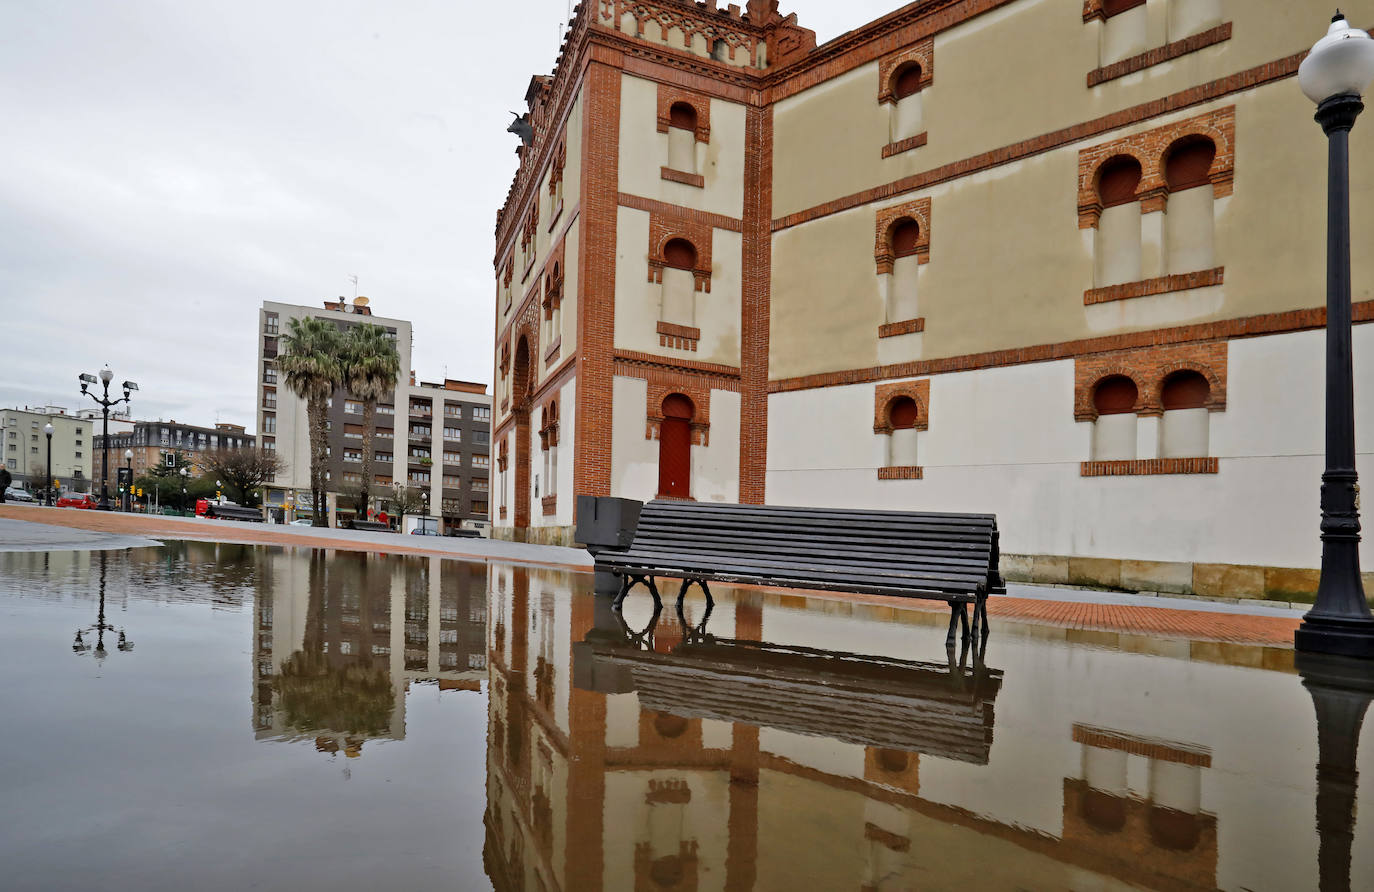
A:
<point x="167" y="166"/>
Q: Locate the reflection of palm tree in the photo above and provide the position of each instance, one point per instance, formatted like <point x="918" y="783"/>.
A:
<point x="337" y="692"/>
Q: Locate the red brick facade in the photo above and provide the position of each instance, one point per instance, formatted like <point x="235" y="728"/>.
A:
<point x="884" y="394"/>
<point x="887" y="218"/>
<point x="1148" y="368"/>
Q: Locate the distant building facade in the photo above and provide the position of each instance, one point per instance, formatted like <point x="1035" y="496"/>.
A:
<point x="1046" y="278"/>
<point x="159" y="443"/>
<point x="431" y="436"/>
<point x="24" y="447"/>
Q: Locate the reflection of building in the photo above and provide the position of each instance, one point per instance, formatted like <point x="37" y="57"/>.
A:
<point x="433" y="437"/>
<point x="24" y="446"/>
<point x="667" y="765"/>
<point x="339" y="637"/>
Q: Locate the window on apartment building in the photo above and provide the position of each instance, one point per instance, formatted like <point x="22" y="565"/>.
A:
<point x="33" y="450"/>
<point x="269" y="424"/>
<point x="269" y="399"/>
<point x="419" y="478"/>
<point x="481" y="438"/>
<point x="1183" y="431"/>
<point x="906" y="108"/>
<point x="78" y="442"/>
<point x="421" y="431"/>
<point x="269" y="374"/>
<point x="418" y="452"/>
<point x="1114" y="399"/>
<point x="385" y="433"/>
<point x="453" y="458"/>
<point x="351" y="477"/>
<point x="419" y="408"/>
<point x="481" y="485"/>
<point x="481" y="413"/>
<point x="481" y="461"/>
<point x="271" y="323"/>
<point x="453" y="410"/>
<point x="385" y="410"/>
<point x="352" y="455"/>
<point x="1117" y="240"/>
<point x="269" y="446"/>
<point x="679" y="283"/>
<point x="353" y="407"/>
<point x="13" y="448"/>
<point x="353" y="431"/>
<point x="12" y="463"/>
<point x="1188" y="221"/>
<point x="454" y="434"/>
<point x="383" y="456"/>
<point x="78" y="455"/>
<point x="682" y="137"/>
<point x="453" y="481"/>
<point x="479" y="506"/>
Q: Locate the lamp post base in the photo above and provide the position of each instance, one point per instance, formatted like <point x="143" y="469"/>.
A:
<point x="1343" y="636"/>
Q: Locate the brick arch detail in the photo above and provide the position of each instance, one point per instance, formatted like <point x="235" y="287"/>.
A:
<point x="660" y="387"/>
<point x="1149" y="148"/>
<point x="918" y="210"/>
<point x="528" y="326"/>
<point x="922" y="53"/>
<point x="663" y="228"/>
<point x="1148" y="367"/>
<point x="884" y="394"/>
<point x="668" y="96"/>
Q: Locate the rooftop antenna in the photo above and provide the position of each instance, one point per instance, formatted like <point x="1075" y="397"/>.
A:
<point x="354" y="280"/>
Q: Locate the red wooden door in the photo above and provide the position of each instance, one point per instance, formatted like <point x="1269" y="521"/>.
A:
<point x="675" y="458"/>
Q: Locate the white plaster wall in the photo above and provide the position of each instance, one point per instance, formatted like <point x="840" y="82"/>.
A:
<point x="1005" y="441"/>
<point x="634" y="459"/>
<point x="715" y="467"/>
<point x="644" y="151"/>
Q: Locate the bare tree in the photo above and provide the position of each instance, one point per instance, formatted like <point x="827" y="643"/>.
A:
<point x="242" y="471"/>
<point x="406" y="500"/>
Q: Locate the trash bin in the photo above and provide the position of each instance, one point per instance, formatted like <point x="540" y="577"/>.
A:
<point x="606" y="523"/>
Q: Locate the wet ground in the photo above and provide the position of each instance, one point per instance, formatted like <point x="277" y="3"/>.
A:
<point x="240" y="716"/>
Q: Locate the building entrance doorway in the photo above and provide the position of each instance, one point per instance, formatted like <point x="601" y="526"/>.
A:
<point x="675" y="448"/>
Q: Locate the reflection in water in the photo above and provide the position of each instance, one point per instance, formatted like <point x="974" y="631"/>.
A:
<point x="339" y="639"/>
<point x="101" y="627"/>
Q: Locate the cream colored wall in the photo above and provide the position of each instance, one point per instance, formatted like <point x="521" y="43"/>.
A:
<point x="637" y="299"/>
<point x="827" y="139"/>
<point x="571" y="272"/>
<point x="644" y="151"/>
<point x="1008" y="264"/>
<point x="634" y="457"/>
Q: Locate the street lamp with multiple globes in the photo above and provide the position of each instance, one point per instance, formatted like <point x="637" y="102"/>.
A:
<point x="47" y="484"/>
<point x="129" y="483"/>
<point x="106" y="376"/>
<point x="1334" y="74"/>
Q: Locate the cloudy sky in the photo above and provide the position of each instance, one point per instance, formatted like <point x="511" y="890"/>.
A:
<point x="167" y="165"/>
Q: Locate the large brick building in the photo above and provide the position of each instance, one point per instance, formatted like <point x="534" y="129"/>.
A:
<point x="1060" y="261"/>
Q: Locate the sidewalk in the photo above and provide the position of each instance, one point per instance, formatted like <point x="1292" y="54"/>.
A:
<point x="1075" y="610"/>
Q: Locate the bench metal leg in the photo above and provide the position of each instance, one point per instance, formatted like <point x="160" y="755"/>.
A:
<point x="983" y="609"/>
<point x="953" y="625"/>
<point x="687" y="583"/>
<point x="629" y="581"/>
<point x="693" y="634"/>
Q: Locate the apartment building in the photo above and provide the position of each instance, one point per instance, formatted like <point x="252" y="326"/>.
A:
<point x="1058" y="261"/>
<point x="24" y="442"/>
<point x="158" y="443"/>
<point x="431" y="436"/>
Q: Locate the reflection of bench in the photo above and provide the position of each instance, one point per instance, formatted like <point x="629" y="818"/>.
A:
<point x="939" y="709"/>
<point x="375" y="526"/>
<point x="941" y="557"/>
<point x="233" y="512"/>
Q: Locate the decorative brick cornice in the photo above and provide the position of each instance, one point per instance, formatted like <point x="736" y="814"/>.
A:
<point x="887" y="218"/>
<point x="627" y="361"/>
<point x="1148" y="466"/>
<point x="681" y="176"/>
<point x="677" y="211"/>
<point x="904" y="145"/>
<point x="1190" y="44"/>
<point x="668" y="96"/>
<point x="1150" y="748"/>
<point x="885" y="394"/>
<point x="923" y="54"/>
<point x="1148" y="367"/>
<point x="901" y="472"/>
<point x="679" y="337"/>
<point x="906" y="326"/>
<point x="1149" y="148"/>
<point x="1160" y="285"/>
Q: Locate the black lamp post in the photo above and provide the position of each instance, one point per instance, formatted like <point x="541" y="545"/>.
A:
<point x="129" y="479"/>
<point x="106" y="376"/>
<point x="47" y="484"/>
<point x="81" y="646"/>
<point x="1333" y="75"/>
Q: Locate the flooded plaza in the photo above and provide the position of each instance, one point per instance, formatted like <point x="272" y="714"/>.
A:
<point x="228" y="717"/>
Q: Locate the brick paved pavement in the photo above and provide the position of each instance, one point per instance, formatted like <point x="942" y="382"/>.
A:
<point x="1234" y="625"/>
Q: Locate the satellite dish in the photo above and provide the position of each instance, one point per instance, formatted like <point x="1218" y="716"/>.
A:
<point x="360" y="301"/>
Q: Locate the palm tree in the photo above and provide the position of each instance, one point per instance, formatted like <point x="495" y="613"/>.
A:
<point x="310" y="364"/>
<point x="370" y="366"/>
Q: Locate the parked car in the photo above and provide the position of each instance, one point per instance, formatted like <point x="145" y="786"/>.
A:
<point x="424" y="531"/>
<point x="302" y="522"/>
<point x="77" y="500"/>
<point x="15" y="494"/>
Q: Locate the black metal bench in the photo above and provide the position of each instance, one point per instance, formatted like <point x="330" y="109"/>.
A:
<point x="939" y="557"/>
<point x="374" y="526"/>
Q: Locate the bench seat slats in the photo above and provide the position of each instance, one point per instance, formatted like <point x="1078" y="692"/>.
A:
<point x="666" y="506"/>
<point x="793" y="544"/>
<point x="680" y="565"/>
<point x="649" y="556"/>
<point x="878" y="538"/>
<point x="821" y="524"/>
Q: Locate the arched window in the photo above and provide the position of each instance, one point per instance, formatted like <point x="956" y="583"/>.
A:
<point x="553" y="303"/>
<point x="1114" y="399"/>
<point x="682" y="137"/>
<point x="907" y="109"/>
<point x="901" y="284"/>
<point x="902" y="416"/>
<point x="675" y="447"/>
<point x="679" y="282"/>
<point x="1190" y="216"/>
<point x="1183" y="431"/>
<point x="1117" y="243"/>
<point x="549" y="438"/>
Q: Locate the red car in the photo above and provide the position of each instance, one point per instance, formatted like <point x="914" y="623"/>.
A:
<point x="77" y="500"/>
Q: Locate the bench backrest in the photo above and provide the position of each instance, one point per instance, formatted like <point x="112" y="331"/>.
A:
<point x="954" y="551"/>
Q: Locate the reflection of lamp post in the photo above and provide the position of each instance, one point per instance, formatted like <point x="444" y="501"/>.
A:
<point x="1333" y="75"/>
<point x="106" y="376"/>
<point x="185" y="475"/>
<point x="1341" y="689"/>
<point x="47" y="484"/>
<point x="100" y="627"/>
